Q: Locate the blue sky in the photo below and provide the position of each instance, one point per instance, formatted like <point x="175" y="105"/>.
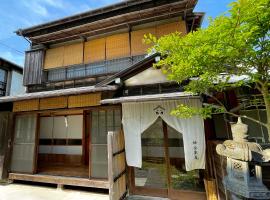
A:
<point x="17" y="14"/>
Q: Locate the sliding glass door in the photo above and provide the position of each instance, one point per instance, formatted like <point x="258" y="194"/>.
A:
<point x="102" y="121"/>
<point x="24" y="146"/>
<point x="163" y="171"/>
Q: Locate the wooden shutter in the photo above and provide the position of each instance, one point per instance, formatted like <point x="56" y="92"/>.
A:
<point x="94" y="50"/>
<point x="117" y="46"/>
<point x="53" y="103"/>
<point x="84" y="100"/>
<point x="73" y="54"/>
<point x="33" y="67"/>
<point x="26" y="105"/>
<point x="166" y="29"/>
<point x="54" y="57"/>
<point x="137" y="45"/>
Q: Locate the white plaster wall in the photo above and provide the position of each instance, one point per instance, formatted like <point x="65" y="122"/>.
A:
<point x="149" y="76"/>
<point x="16" y="84"/>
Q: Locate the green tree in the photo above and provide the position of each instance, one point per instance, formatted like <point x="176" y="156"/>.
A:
<point x="235" y="43"/>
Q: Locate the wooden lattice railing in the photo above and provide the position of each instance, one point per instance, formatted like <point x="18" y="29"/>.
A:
<point x="117" y="166"/>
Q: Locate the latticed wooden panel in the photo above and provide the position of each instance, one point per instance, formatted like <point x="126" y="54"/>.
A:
<point x="53" y="103"/>
<point x="26" y="105"/>
<point x="138" y="47"/>
<point x="94" y="50"/>
<point x="54" y="57"/>
<point x="166" y="29"/>
<point x="117" y="165"/>
<point x="117" y="46"/>
<point x="84" y="100"/>
<point x="73" y="54"/>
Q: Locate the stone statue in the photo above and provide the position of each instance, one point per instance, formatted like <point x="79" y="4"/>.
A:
<point x="244" y="179"/>
<point x="239" y="148"/>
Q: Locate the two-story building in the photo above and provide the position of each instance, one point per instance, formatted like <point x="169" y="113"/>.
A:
<point x="90" y="74"/>
<point x="11" y="76"/>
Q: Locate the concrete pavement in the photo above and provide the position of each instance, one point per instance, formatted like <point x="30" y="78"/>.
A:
<point x="31" y="192"/>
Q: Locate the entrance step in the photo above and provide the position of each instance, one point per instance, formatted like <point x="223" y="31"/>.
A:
<point x="136" y="197"/>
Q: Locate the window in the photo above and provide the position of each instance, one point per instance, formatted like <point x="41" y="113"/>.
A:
<point x="61" y="135"/>
<point x="103" y="121"/>
<point x="3" y="74"/>
<point x="3" y="79"/>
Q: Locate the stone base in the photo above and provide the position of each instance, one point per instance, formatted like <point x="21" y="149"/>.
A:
<point x="252" y="191"/>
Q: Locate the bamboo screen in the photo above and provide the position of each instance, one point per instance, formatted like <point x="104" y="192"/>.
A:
<point x="166" y="29"/>
<point x="137" y="45"/>
<point x="84" y="100"/>
<point x="73" y="54"/>
<point x="53" y="102"/>
<point x="117" y="46"/>
<point x="117" y="165"/>
<point x="94" y="50"/>
<point x="54" y="58"/>
<point x="26" y="105"/>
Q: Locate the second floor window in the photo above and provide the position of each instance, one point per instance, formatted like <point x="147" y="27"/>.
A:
<point x="3" y="75"/>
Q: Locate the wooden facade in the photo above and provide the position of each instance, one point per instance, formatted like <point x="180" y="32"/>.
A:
<point x="107" y="48"/>
<point x="67" y="136"/>
<point x="72" y="101"/>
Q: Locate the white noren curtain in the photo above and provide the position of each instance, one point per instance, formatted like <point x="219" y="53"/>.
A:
<point x="138" y="116"/>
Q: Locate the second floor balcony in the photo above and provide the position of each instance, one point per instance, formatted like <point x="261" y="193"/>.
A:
<point x="83" y="74"/>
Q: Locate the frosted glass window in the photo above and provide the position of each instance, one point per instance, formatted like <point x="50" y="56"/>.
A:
<point x="59" y="127"/>
<point x="102" y="122"/>
<point x="24" y="144"/>
<point x="99" y="165"/>
<point x="46" y="127"/>
<point x="75" y="126"/>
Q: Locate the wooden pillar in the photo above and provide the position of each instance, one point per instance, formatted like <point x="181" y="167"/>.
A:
<point x="6" y="121"/>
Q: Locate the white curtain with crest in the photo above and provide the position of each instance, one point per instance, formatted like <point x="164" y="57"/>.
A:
<point x="138" y="116"/>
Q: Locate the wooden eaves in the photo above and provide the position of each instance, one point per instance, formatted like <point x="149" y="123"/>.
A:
<point x="152" y="97"/>
<point x="57" y="93"/>
<point x="123" y="15"/>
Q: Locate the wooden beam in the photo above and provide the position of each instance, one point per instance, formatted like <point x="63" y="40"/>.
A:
<point x="60" y="180"/>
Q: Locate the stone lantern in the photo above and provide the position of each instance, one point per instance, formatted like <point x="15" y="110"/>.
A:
<point x="244" y="174"/>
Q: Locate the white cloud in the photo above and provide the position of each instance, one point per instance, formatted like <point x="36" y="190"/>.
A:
<point x="36" y="7"/>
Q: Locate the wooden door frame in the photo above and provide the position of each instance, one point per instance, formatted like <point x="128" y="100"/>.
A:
<point x="169" y="192"/>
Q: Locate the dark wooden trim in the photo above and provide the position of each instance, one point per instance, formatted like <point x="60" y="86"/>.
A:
<point x="89" y="114"/>
<point x="119" y="175"/>
<point x="167" y="156"/>
<point x="35" y="164"/>
<point x="131" y="180"/>
<point x="87" y="109"/>
<point x="119" y="152"/>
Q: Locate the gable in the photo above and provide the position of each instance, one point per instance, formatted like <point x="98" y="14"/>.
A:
<point x="146" y="77"/>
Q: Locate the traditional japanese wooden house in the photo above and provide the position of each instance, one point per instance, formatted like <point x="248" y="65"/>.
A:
<point x="94" y="103"/>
